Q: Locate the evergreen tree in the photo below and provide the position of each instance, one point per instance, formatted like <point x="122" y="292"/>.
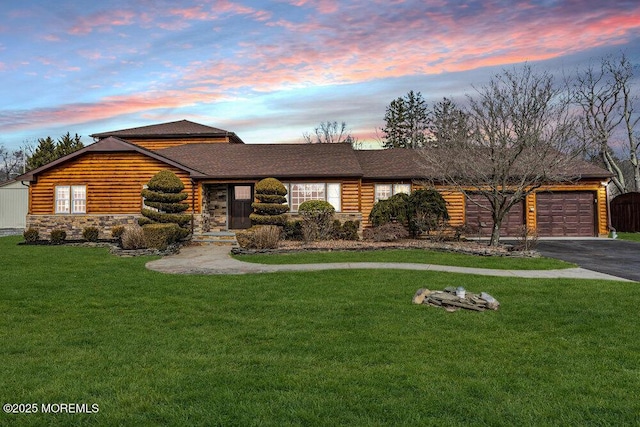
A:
<point x="67" y="145"/>
<point x="449" y="124"/>
<point x="406" y="122"/>
<point x="48" y="150"/>
<point x="44" y="153"/>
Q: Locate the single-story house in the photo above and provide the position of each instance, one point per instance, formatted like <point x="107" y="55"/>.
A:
<point x="14" y="202"/>
<point x="100" y="185"/>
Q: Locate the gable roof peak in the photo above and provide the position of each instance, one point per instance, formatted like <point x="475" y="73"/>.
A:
<point x="180" y="128"/>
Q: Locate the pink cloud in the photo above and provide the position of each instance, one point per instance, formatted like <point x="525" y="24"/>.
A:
<point x="102" y="21"/>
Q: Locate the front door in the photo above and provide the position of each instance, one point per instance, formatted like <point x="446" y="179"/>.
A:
<point x="241" y="199"/>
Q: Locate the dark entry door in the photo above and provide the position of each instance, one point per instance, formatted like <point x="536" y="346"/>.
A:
<point x="241" y="199"/>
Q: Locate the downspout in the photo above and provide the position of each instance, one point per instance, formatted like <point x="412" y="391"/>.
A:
<point x="28" y="197"/>
<point x="614" y="234"/>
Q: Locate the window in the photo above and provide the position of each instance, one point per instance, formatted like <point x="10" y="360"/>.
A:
<point x="71" y="199"/>
<point x="384" y="191"/>
<point x="299" y="193"/>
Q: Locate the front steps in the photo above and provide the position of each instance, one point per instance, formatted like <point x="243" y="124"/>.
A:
<point x="221" y="238"/>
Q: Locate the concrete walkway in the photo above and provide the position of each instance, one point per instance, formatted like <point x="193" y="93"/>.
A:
<point x="217" y="260"/>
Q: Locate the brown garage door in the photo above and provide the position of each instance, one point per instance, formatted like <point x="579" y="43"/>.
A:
<point x="478" y="214"/>
<point x="569" y="213"/>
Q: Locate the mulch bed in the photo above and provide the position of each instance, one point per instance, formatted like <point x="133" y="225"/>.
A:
<point x="463" y="247"/>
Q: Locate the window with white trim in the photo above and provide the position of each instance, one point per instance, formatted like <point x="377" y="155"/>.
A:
<point x="384" y="191"/>
<point x="71" y="199"/>
<point x="298" y="193"/>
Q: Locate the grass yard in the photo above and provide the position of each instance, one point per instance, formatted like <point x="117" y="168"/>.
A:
<point x="634" y="237"/>
<point x="419" y="256"/>
<point x="319" y="348"/>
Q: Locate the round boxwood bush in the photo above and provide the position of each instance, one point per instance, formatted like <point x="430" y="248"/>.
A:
<point x="427" y="210"/>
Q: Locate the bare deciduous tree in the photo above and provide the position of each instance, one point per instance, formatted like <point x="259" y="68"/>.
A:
<point x="520" y="133"/>
<point x="11" y="163"/>
<point x="330" y="132"/>
<point x="609" y="121"/>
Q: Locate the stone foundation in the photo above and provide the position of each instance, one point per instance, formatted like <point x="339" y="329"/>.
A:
<point x="73" y="225"/>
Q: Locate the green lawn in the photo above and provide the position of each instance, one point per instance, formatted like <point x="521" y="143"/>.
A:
<point x="320" y="348"/>
<point x="635" y="237"/>
<point x="420" y="256"/>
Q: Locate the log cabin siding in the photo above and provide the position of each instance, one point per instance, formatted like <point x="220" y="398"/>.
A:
<point x="113" y="180"/>
<point x="350" y="196"/>
<point x="158" y="144"/>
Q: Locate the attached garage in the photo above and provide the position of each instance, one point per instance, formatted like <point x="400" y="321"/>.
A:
<point x="478" y="214"/>
<point x="566" y="213"/>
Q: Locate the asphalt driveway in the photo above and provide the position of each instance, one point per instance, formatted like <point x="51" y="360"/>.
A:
<point x="616" y="257"/>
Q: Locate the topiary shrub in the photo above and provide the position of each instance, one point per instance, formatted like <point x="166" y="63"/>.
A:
<point x="133" y="238"/>
<point x="58" y="236"/>
<point x="31" y="235"/>
<point x="117" y="231"/>
<point x="427" y="211"/>
<point x="270" y="208"/>
<point x="162" y="199"/>
<point x="393" y="209"/>
<point x="317" y="219"/>
<point x="90" y="234"/>
<point x="159" y="236"/>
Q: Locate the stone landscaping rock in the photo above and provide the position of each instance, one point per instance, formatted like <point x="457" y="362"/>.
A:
<point x="450" y="299"/>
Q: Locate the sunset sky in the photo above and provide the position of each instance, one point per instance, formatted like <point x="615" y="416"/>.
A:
<point x="271" y="70"/>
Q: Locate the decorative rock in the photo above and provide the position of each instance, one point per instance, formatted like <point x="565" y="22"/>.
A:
<point x="451" y="299"/>
<point x="420" y="295"/>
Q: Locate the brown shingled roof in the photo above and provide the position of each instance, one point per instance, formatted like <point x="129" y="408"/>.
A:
<point x="394" y="163"/>
<point x="235" y="161"/>
<point x="181" y="128"/>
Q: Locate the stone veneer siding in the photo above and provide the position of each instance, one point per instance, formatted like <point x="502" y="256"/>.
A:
<point x="73" y="225"/>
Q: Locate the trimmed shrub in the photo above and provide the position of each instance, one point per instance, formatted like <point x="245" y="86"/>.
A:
<point x="58" y="236"/>
<point x="31" y="235"/>
<point x="292" y="230"/>
<point x="162" y="199"/>
<point x="116" y="232"/>
<point x="167" y="197"/>
<point x="317" y="219"/>
<point x="271" y="186"/>
<point x="386" y="232"/>
<point x="257" y="219"/>
<point x="165" y="181"/>
<point x="346" y="231"/>
<point x="270" y="207"/>
<point x="395" y="208"/>
<point x="90" y="234"/>
<point x="133" y="238"/>
<point x="427" y="211"/>
<point x="152" y="217"/>
<point x="159" y="236"/>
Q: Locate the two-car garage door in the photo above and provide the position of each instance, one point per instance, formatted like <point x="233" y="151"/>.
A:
<point x="567" y="213"/>
<point x="559" y="214"/>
